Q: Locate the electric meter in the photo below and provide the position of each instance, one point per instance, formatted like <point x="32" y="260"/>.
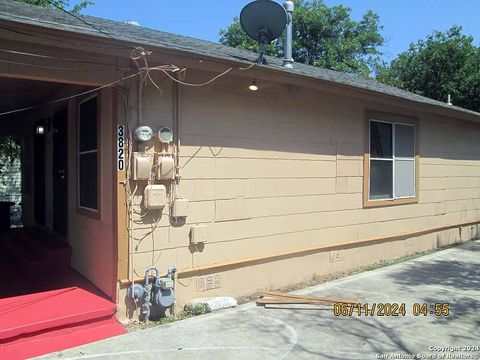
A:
<point x="165" y="135"/>
<point x="143" y="133"/>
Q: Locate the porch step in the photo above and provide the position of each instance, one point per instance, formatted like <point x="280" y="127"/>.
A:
<point x="37" y="324"/>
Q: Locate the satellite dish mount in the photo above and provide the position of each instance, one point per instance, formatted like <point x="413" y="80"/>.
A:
<point x="264" y="21"/>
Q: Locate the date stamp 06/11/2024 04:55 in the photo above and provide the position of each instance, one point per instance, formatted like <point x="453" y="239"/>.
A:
<point x="391" y="309"/>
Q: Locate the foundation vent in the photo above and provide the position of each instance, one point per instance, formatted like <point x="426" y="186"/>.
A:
<point x="209" y="282"/>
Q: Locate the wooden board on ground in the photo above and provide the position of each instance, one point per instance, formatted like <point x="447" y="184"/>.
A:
<point x="276" y="297"/>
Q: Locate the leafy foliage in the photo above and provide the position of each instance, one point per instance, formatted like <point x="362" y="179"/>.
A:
<point x="195" y="310"/>
<point x="62" y="4"/>
<point x="439" y="65"/>
<point x="10" y="148"/>
<point x="322" y="36"/>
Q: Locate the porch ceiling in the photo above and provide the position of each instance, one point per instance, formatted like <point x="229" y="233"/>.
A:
<point x="19" y="93"/>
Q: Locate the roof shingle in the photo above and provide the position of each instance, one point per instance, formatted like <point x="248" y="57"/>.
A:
<point x="54" y="19"/>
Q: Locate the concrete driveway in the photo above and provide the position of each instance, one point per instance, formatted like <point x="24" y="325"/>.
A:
<point x="249" y="332"/>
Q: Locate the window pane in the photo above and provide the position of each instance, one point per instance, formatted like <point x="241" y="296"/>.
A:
<point x="404" y="178"/>
<point x="88" y="125"/>
<point x="380" y="140"/>
<point x="404" y="141"/>
<point x="88" y="180"/>
<point x="381" y="175"/>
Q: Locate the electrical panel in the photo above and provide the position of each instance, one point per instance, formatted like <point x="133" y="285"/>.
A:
<point x="199" y="234"/>
<point x="155" y="197"/>
<point x="142" y="166"/>
<point x="180" y="208"/>
<point x="166" y="168"/>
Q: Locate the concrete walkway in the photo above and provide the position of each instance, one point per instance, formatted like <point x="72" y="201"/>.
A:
<point x="250" y="332"/>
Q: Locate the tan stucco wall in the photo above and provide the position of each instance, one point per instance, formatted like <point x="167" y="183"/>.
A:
<point x="282" y="169"/>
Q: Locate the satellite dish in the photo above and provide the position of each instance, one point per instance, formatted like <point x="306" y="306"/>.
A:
<point x="264" y="21"/>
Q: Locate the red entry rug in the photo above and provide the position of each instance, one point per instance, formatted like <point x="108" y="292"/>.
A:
<point x="41" y="323"/>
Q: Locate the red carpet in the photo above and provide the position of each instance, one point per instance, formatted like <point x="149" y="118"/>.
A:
<point x="37" y="324"/>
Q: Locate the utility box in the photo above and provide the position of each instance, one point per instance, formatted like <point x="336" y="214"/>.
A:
<point x="166" y="168"/>
<point x="142" y="166"/>
<point x="180" y="208"/>
<point x="155" y="197"/>
<point x="199" y="234"/>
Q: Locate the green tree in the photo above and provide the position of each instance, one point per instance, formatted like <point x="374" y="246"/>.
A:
<point x="62" y="4"/>
<point x="10" y="149"/>
<point x="323" y="36"/>
<point x="439" y="65"/>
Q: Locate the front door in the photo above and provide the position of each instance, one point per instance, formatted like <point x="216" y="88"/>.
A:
<point x="60" y="162"/>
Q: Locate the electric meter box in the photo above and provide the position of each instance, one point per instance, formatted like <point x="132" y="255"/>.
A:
<point x="180" y="208"/>
<point x="142" y="166"/>
<point x="155" y="197"/>
<point x="166" y="168"/>
<point x="199" y="234"/>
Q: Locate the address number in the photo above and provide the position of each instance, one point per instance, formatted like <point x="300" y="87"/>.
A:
<point x="121" y="148"/>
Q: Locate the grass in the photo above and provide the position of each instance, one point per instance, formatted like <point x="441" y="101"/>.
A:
<point x="190" y="311"/>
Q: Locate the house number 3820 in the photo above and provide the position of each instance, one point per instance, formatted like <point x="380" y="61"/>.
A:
<point x="121" y="147"/>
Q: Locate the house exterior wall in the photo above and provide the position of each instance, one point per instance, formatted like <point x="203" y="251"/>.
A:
<point x="92" y="237"/>
<point x="281" y="169"/>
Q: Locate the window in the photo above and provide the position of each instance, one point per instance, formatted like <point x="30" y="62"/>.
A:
<point x="391" y="163"/>
<point x="88" y="155"/>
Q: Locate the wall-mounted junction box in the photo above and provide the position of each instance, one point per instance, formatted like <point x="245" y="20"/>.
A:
<point x="166" y="168"/>
<point x="142" y="166"/>
<point x="180" y="208"/>
<point x="155" y="197"/>
<point x="199" y="234"/>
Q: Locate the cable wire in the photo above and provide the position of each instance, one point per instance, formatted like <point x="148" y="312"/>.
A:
<point x="58" y="58"/>
<point x="80" y="19"/>
<point x="59" y="68"/>
<point x="89" y="45"/>
<point x="69" y="97"/>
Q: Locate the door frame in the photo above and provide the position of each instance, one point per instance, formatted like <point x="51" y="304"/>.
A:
<point x="67" y="172"/>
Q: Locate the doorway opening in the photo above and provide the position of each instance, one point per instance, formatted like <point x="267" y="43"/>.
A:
<point x="35" y="251"/>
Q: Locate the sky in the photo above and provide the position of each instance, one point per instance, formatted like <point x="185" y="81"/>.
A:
<point x="404" y="21"/>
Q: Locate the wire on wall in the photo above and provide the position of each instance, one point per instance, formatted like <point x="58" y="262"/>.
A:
<point x="58" y="68"/>
<point x="139" y="57"/>
<point x="144" y="72"/>
<point x="48" y="57"/>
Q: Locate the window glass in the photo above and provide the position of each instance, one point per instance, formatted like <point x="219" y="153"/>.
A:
<point x="380" y="140"/>
<point x="88" y="155"/>
<point x="404" y="141"/>
<point x="88" y="180"/>
<point x="381" y="176"/>
<point x="404" y="178"/>
<point x="88" y="125"/>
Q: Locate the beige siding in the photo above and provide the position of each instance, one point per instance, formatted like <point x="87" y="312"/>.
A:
<point x="267" y="174"/>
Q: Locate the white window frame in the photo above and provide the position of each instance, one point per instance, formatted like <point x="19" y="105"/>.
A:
<point x="394" y="157"/>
